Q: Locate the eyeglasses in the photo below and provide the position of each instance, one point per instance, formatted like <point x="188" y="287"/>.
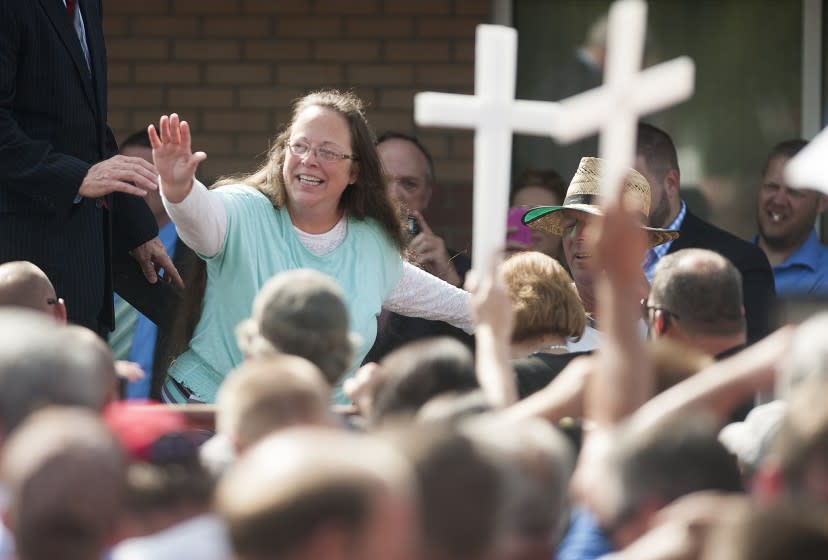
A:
<point x="647" y="313"/>
<point x="327" y="155"/>
<point x="51" y="301"/>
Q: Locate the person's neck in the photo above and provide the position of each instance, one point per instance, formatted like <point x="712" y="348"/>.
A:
<point x="548" y="344"/>
<point x="778" y="255"/>
<point x="315" y="221"/>
<point x="715" y="345"/>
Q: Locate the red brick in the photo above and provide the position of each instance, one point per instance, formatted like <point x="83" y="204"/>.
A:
<point x="115" y="25"/>
<point x="216" y="167"/>
<point x="117" y="119"/>
<point x="209" y="50"/>
<point x="133" y="97"/>
<point x="310" y="75"/>
<point x="206" y="7"/>
<point x="413" y="51"/>
<point x="268" y="97"/>
<point x="430" y="7"/>
<point x="143" y="7"/>
<point x="231" y="121"/>
<point x="165" y="27"/>
<point x="452" y="28"/>
<point x="308" y="27"/>
<point x="464" y="51"/>
<point x="238" y="73"/>
<point x="479" y="8"/>
<point x="170" y="73"/>
<point x="390" y="120"/>
<point x="346" y="7"/>
<point x="380" y="74"/>
<point x="445" y="75"/>
<point x="347" y="51"/>
<point x="238" y="27"/>
<point x="462" y="146"/>
<point x="276" y="50"/>
<point x="119" y="72"/>
<point x="379" y="27"/>
<point x="254" y="145"/>
<point x="396" y="98"/>
<point x="455" y="170"/>
<point x="213" y="144"/>
<point x="212" y="98"/>
<point x="436" y="142"/>
<point x="276" y="7"/>
<point x="139" y="120"/>
<point x="137" y="49"/>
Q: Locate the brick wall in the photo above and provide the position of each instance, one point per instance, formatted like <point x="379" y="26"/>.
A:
<point x="232" y="68"/>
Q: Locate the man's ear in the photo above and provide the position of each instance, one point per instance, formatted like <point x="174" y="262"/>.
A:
<point x="822" y="204"/>
<point x="59" y="311"/>
<point x="672" y="182"/>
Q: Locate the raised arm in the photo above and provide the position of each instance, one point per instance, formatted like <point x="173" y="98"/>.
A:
<point x="419" y="294"/>
<point x="199" y="217"/>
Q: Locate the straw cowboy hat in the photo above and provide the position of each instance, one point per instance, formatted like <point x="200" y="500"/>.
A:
<point x="583" y="195"/>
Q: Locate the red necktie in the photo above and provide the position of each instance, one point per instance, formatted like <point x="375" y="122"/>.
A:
<point x="70" y="9"/>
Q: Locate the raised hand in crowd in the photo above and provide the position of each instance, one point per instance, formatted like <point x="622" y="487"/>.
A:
<point x="428" y="251"/>
<point x="173" y="156"/>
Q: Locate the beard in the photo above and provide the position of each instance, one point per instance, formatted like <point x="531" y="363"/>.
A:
<point x="660" y="214"/>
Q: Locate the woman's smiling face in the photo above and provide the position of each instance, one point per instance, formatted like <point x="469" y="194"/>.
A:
<point x="313" y="184"/>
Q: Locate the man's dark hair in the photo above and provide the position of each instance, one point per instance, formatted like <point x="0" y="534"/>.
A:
<point x="657" y="148"/>
<point x="704" y="294"/>
<point x="419" y="371"/>
<point x="787" y="148"/>
<point x="676" y="459"/>
<point x="547" y="179"/>
<point x="394" y="135"/>
<point x="138" y="139"/>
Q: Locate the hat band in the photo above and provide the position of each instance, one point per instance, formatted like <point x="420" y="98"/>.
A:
<point x="587" y="199"/>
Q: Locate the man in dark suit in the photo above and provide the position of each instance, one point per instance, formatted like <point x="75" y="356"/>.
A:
<point x="66" y="204"/>
<point x="657" y="160"/>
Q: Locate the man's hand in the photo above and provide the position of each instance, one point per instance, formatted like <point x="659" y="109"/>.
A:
<point x="429" y="253"/>
<point x="173" y="155"/>
<point x="152" y="256"/>
<point x="130" y="175"/>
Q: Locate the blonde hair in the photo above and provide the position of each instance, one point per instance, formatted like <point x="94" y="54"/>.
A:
<point x="543" y="297"/>
<point x="265" y="395"/>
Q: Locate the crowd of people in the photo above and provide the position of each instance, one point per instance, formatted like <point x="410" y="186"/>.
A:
<point x="333" y="382"/>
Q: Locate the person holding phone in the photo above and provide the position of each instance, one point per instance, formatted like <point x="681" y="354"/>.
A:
<point x="410" y="180"/>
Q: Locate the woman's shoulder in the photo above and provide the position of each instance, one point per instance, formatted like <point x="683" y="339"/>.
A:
<point x="369" y="228"/>
<point x="239" y="190"/>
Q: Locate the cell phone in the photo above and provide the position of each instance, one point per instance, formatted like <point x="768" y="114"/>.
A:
<point x="515" y="230"/>
<point x="412" y="226"/>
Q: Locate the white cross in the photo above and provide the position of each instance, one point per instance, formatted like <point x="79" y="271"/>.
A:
<point x="809" y="168"/>
<point x="494" y="114"/>
<point x="613" y="109"/>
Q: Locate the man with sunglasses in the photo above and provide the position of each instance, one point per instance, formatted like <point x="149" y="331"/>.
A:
<point x="696" y="300"/>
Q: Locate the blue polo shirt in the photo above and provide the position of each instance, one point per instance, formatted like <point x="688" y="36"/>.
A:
<point x="805" y="271"/>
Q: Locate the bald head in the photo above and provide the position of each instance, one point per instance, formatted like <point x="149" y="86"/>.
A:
<point x="298" y="487"/>
<point x="702" y="290"/>
<point x="23" y="284"/>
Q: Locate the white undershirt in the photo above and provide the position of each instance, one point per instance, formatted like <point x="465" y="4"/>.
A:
<point x="201" y="222"/>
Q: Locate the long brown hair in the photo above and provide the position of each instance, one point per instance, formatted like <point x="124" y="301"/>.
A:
<point x="367" y="197"/>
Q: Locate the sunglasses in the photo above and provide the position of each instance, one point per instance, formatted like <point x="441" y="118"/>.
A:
<point x="647" y="312"/>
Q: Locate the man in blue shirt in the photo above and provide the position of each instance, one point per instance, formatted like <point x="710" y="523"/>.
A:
<point x="786" y="219"/>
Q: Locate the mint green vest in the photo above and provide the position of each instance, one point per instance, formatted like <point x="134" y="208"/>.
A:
<point x="260" y="243"/>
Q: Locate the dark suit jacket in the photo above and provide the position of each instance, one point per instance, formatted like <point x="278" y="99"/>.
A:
<point x="759" y="293"/>
<point x="396" y="330"/>
<point x="52" y="129"/>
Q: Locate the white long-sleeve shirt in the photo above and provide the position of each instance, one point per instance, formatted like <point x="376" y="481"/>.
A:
<point x="201" y="222"/>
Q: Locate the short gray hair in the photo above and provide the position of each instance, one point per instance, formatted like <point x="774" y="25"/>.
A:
<point x="300" y="312"/>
